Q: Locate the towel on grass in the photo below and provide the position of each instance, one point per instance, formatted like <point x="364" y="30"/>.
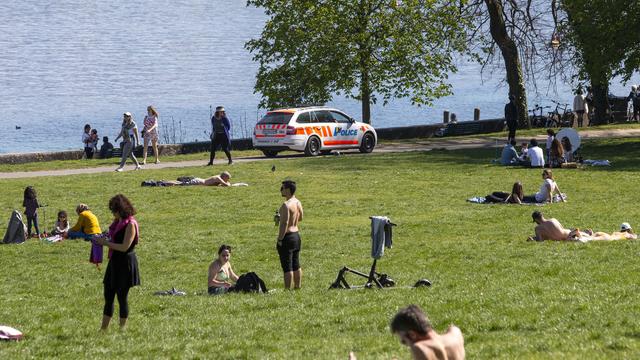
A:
<point x="483" y="200"/>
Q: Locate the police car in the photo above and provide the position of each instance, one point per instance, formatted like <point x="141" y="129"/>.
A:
<point x="314" y="130"/>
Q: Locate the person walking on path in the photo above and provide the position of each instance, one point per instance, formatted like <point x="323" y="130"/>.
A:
<point x="290" y="214"/>
<point x="511" y="116"/>
<point x="122" y="271"/>
<point x="220" y="127"/>
<point x="634" y="96"/>
<point x="128" y="133"/>
<point x="150" y="133"/>
<point x="580" y="107"/>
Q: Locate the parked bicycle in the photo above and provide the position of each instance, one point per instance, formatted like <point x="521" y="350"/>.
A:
<point x="537" y="118"/>
<point x="561" y="116"/>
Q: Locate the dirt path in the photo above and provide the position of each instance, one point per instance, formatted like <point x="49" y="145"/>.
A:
<point x="450" y="143"/>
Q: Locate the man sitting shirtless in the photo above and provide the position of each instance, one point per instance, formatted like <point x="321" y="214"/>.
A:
<point x="216" y="180"/>
<point x="551" y="229"/>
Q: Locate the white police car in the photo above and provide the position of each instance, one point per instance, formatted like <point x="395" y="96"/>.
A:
<point x="314" y="130"/>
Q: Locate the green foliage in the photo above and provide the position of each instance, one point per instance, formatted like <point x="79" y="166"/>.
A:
<point x="512" y="299"/>
<point x="365" y="49"/>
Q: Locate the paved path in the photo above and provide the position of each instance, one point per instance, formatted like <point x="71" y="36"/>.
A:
<point x="450" y="143"/>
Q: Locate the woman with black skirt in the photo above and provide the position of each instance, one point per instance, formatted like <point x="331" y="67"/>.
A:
<point x="122" y="271"/>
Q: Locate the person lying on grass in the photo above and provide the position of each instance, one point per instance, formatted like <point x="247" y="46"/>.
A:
<point x="220" y="273"/>
<point x="516" y="196"/>
<point x="216" y="180"/>
<point x="551" y="229"/>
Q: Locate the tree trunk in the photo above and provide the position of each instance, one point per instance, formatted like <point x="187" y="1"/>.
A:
<point x="365" y="52"/>
<point x="601" y="103"/>
<point x="511" y="60"/>
<point x="365" y="97"/>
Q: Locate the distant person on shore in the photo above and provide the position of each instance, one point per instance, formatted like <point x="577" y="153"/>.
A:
<point x="550" y="136"/>
<point x="511" y="116"/>
<point x="289" y="243"/>
<point x="515" y="197"/>
<point x="94" y="142"/>
<point x="61" y="227"/>
<point x="589" y="100"/>
<point x="415" y="331"/>
<point x="220" y="273"/>
<point x="86" y="226"/>
<point x="509" y="154"/>
<point x="547" y="189"/>
<point x="122" y="270"/>
<point x="556" y="155"/>
<point x="220" y="136"/>
<point x="634" y="97"/>
<point x="86" y="141"/>
<point x="454" y="118"/>
<point x="150" y="133"/>
<point x="129" y="135"/>
<point x="580" y="107"/>
<point x="536" y="156"/>
<point x="31" y="205"/>
<point x="216" y="180"/>
<point x="107" y="148"/>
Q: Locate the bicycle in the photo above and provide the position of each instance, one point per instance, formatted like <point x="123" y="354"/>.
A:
<point x="557" y="119"/>
<point x="538" y="120"/>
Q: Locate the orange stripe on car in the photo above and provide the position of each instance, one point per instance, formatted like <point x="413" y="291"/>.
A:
<point x="341" y="142"/>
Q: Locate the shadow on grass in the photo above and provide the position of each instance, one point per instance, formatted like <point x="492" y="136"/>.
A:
<point x="624" y="154"/>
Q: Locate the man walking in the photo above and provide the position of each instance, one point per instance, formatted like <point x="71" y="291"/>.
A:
<point x="511" y="116"/>
<point x="288" y="238"/>
<point x="220" y="127"/>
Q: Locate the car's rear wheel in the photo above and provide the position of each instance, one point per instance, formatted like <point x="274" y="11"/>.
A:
<point x="368" y="143"/>
<point x="313" y="146"/>
<point x="270" y="153"/>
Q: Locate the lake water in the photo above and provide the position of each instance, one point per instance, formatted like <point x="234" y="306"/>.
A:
<point x="65" y="63"/>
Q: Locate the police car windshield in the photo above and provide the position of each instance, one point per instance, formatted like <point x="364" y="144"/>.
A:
<point x="276" y="118"/>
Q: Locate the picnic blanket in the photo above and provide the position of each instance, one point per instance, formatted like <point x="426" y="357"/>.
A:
<point x="597" y="162"/>
<point x="483" y="200"/>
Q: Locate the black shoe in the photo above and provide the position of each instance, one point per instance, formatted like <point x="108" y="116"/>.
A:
<point x="230" y="162"/>
<point x="209" y="163"/>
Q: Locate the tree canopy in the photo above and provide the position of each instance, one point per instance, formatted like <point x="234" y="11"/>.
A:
<point x="369" y="50"/>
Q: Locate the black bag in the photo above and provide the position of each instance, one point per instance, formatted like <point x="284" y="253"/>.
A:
<point x="250" y="282"/>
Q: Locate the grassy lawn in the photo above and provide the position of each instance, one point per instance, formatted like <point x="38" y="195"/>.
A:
<point x="511" y="298"/>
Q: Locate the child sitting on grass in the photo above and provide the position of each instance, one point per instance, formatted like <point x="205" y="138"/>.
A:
<point x="62" y="224"/>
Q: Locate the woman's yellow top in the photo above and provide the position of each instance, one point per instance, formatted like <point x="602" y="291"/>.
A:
<point x="87" y="223"/>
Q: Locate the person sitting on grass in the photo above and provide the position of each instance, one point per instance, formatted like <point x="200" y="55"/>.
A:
<point x="536" y="156"/>
<point x="509" y="154"/>
<point x="547" y="189"/>
<point x="106" y="149"/>
<point x="220" y="273"/>
<point x="62" y="224"/>
<point x="516" y="196"/>
<point x="415" y="331"/>
<point x="87" y="225"/>
<point x="556" y="154"/>
<point x="216" y="180"/>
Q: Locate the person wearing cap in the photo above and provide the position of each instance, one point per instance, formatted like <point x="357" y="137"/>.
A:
<point x="216" y="180"/>
<point x="129" y="134"/>
<point x="220" y="127"/>
<point x="511" y="116"/>
<point x="625" y="233"/>
<point x="634" y="96"/>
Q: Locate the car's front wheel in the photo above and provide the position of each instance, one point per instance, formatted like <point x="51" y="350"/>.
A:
<point x="313" y="146"/>
<point x="368" y="143"/>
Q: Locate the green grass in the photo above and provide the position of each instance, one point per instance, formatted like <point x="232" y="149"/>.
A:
<point x="511" y="298"/>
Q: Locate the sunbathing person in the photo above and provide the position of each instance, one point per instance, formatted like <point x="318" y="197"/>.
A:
<point x="516" y="196"/>
<point x="551" y="229"/>
<point x="625" y="233"/>
<point x="220" y="273"/>
<point x="216" y="180"/>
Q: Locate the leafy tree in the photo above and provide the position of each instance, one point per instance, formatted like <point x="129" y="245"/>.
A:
<point x="606" y="38"/>
<point x="368" y="50"/>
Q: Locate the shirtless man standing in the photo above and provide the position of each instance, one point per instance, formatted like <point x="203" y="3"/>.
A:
<point x="216" y="180"/>
<point x="414" y="330"/>
<point x="288" y="238"/>
<point x="551" y="229"/>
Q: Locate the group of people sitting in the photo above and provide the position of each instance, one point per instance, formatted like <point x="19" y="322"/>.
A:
<point x="531" y="155"/>
<point x="549" y="191"/>
<point x="551" y="229"/>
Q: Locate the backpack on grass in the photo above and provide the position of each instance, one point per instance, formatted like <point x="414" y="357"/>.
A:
<point x="250" y="282"/>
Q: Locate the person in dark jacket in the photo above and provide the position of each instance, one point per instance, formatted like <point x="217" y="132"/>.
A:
<point x="220" y="127"/>
<point x="511" y="116"/>
<point x="634" y="96"/>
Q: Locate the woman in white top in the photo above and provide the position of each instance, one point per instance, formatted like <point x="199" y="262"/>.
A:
<point x="547" y="189"/>
<point x="150" y="133"/>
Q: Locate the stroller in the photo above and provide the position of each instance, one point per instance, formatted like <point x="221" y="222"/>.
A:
<point x="381" y="238"/>
<point x="16" y="229"/>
